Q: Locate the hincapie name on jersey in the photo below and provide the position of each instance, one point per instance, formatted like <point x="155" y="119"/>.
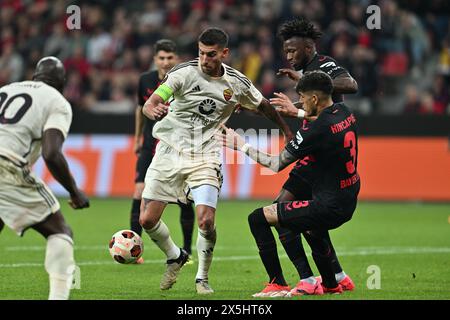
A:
<point x="341" y="126"/>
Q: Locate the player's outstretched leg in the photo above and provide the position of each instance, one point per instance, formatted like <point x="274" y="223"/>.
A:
<point x="59" y="261"/>
<point x="187" y="218"/>
<point x="206" y="241"/>
<point x="260" y="228"/>
<point x="150" y="219"/>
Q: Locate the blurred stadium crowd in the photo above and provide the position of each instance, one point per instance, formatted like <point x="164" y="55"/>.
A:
<point x="403" y="67"/>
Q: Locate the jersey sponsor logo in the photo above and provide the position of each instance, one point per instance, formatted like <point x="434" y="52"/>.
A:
<point x="196" y="89"/>
<point x="227" y="94"/>
<point x="328" y="64"/>
<point x="299" y="137"/>
<point x="293" y="144"/>
<point x="207" y="106"/>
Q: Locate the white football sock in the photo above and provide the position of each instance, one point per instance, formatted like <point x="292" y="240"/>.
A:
<point x="60" y="265"/>
<point x="161" y="236"/>
<point x="340" y="276"/>
<point x="205" y="248"/>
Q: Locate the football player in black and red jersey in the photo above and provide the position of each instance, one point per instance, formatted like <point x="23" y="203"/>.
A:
<point x="299" y="37"/>
<point x="165" y="58"/>
<point x="331" y="143"/>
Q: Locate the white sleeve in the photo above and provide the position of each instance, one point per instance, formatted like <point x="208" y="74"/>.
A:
<point x="59" y="115"/>
<point x="174" y="80"/>
<point x="251" y="97"/>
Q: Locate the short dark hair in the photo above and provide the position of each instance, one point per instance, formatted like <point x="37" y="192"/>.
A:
<point x="315" y="81"/>
<point x="165" y="45"/>
<point x="213" y="36"/>
<point x="300" y="27"/>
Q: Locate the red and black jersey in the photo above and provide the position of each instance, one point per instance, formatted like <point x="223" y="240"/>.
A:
<point x="330" y="67"/>
<point x="148" y="83"/>
<point x="331" y="143"/>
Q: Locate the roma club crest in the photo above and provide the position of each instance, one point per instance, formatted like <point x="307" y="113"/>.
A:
<point x="227" y="94"/>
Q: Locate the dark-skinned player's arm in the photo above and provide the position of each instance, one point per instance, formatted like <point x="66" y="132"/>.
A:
<point x="52" y="141"/>
<point x="275" y="163"/>
<point x="344" y="83"/>
<point x="267" y="110"/>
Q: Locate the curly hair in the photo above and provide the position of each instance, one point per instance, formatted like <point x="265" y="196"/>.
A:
<point x="298" y="28"/>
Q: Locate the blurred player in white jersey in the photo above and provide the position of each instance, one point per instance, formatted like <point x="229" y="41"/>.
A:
<point x="187" y="162"/>
<point x="35" y="118"/>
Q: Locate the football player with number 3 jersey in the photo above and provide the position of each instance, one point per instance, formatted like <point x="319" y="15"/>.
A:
<point x="187" y="163"/>
<point x="34" y="119"/>
<point x="299" y="36"/>
<point x="332" y="144"/>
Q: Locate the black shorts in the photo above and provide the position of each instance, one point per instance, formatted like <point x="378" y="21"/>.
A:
<point x="142" y="164"/>
<point x="299" y="187"/>
<point x="301" y="216"/>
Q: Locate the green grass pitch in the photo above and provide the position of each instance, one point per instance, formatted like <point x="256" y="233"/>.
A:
<point x="409" y="242"/>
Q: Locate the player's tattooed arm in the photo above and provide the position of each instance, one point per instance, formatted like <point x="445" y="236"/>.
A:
<point x="275" y="163"/>
<point x="273" y="115"/>
<point x="345" y="83"/>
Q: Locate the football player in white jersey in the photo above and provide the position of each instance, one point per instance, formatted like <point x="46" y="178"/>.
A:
<point x="34" y="119"/>
<point x="187" y="162"/>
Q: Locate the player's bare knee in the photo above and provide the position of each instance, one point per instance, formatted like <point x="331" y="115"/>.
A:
<point x="206" y="218"/>
<point x="206" y="223"/>
<point x="271" y="214"/>
<point x="147" y="221"/>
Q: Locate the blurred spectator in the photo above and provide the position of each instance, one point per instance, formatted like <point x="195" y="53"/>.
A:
<point x="77" y="63"/>
<point x="11" y="65"/>
<point x="413" y="103"/>
<point x="441" y="95"/>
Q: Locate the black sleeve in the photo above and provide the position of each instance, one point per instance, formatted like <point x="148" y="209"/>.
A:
<point x="140" y="92"/>
<point x="331" y="67"/>
<point x="306" y="140"/>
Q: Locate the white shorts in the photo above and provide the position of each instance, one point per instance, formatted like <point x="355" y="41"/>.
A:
<point x="172" y="175"/>
<point x="24" y="199"/>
